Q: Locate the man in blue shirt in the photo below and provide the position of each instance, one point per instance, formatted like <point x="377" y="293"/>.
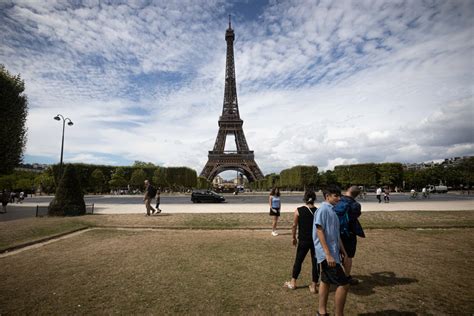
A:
<point x="329" y="248"/>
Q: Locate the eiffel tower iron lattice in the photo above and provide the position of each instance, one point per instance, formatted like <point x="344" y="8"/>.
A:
<point x="230" y="123"/>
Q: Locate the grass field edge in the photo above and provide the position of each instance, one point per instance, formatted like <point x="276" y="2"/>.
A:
<point x="42" y="240"/>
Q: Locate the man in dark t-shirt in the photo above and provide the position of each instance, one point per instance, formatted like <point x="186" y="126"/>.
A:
<point x="149" y="195"/>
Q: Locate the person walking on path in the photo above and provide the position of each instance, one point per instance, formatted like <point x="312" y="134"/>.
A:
<point x="12" y="197"/>
<point x="158" y="199"/>
<point x="328" y="246"/>
<point x="21" y="197"/>
<point x="386" y="195"/>
<point x="349" y="210"/>
<point x="5" y="198"/>
<point x="303" y="222"/>
<point x="424" y="193"/>
<point x="150" y="192"/>
<point x="275" y="206"/>
<point x="378" y="194"/>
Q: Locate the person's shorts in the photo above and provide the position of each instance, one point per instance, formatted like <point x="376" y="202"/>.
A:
<point x="333" y="275"/>
<point x="273" y="213"/>
<point x="350" y="244"/>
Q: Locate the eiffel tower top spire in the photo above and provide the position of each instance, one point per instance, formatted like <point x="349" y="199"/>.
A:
<point x="231" y="108"/>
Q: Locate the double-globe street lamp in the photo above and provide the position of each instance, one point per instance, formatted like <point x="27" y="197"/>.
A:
<point x="59" y="117"/>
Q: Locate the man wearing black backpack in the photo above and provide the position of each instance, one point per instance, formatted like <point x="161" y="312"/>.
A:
<point x="150" y="192"/>
<point x="348" y="210"/>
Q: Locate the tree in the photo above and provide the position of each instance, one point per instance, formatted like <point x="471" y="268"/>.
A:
<point x="179" y="178"/>
<point x="466" y="171"/>
<point x="142" y="164"/>
<point x="45" y="183"/>
<point x="326" y="178"/>
<point x="360" y="174"/>
<point x="13" y="111"/>
<point x="118" y="179"/>
<point x="159" y="177"/>
<point x="273" y="180"/>
<point x="391" y="174"/>
<point x="299" y="177"/>
<point x="23" y="184"/>
<point x="97" y="180"/>
<point x="69" y="198"/>
<point x="203" y="183"/>
<point x="137" y="178"/>
<point x="18" y="181"/>
<point x="7" y="181"/>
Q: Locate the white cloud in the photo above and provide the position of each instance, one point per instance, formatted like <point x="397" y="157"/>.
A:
<point x="318" y="82"/>
<point x="340" y="161"/>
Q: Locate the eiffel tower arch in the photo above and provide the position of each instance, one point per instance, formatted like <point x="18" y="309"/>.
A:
<point x="230" y="123"/>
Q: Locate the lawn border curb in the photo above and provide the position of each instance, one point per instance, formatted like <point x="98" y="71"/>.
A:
<point x="41" y="240"/>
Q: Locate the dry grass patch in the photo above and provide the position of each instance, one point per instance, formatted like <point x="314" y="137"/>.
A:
<point x="396" y="219"/>
<point x="232" y="272"/>
<point x="20" y="231"/>
<point x="418" y="219"/>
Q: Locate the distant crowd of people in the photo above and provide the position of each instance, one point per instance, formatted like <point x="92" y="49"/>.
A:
<point x="11" y="197"/>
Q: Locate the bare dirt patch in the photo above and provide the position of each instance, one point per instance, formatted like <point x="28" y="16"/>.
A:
<point x="232" y="272"/>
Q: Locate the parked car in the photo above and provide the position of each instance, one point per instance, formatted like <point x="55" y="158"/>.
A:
<point x="206" y="196"/>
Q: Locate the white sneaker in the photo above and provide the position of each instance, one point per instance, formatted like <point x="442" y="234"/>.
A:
<point x="274" y="233"/>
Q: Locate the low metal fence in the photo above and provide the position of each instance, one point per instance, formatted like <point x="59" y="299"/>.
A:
<point x="43" y="210"/>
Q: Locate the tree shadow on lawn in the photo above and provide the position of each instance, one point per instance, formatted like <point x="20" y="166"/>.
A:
<point x="376" y="279"/>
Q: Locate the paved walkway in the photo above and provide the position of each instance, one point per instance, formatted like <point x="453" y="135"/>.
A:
<point x="464" y="205"/>
<point x="264" y="208"/>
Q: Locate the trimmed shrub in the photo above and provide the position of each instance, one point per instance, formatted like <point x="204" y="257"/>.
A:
<point x="69" y="198"/>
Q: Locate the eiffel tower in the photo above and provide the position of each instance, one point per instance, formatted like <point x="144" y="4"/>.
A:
<point x="230" y="123"/>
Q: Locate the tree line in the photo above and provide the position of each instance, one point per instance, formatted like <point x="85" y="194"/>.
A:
<point x="370" y="175"/>
<point x="102" y="179"/>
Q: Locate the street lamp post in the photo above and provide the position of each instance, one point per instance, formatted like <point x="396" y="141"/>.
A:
<point x="59" y="117"/>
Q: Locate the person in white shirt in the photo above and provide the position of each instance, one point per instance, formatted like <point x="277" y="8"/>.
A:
<point x="378" y="193"/>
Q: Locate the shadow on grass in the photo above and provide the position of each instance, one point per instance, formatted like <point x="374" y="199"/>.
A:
<point x="369" y="282"/>
<point x="385" y="278"/>
<point x="389" y="312"/>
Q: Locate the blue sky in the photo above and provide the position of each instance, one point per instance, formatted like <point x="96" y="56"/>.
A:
<point x="319" y="82"/>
